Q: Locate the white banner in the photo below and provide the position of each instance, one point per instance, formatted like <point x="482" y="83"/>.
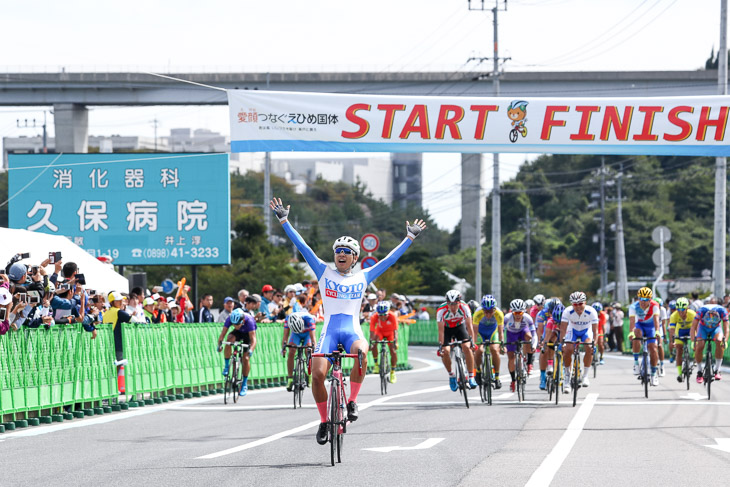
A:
<point x="289" y="121"/>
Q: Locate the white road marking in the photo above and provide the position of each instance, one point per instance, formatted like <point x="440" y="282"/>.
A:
<point x="43" y="430"/>
<point x="132" y="413"/>
<point x="694" y="396"/>
<point x="421" y="446"/>
<point x="723" y="444"/>
<point x="552" y="463"/>
<point x="312" y="424"/>
<point x="661" y="403"/>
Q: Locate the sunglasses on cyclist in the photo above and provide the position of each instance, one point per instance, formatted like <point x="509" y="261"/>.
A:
<point x="644" y="299"/>
<point x="343" y="250"/>
<point x="517" y="312"/>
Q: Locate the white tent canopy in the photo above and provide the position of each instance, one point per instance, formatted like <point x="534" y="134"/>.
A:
<point x="99" y="276"/>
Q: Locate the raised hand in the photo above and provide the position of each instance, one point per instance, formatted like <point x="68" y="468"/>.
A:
<point x="414" y="230"/>
<point x="278" y="207"/>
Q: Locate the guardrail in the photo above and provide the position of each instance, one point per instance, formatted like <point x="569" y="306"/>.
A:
<point x="59" y="373"/>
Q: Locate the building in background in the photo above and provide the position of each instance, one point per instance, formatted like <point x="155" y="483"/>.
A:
<point x="393" y="178"/>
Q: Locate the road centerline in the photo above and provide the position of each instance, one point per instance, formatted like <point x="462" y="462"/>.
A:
<point x="552" y="463"/>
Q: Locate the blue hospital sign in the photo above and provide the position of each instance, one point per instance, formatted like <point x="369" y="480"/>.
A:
<point x="163" y="209"/>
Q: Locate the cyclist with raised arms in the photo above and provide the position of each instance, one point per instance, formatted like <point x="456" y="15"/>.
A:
<point x="244" y="330"/>
<point x="518" y="326"/>
<point x="384" y="326"/>
<point x="454" y="321"/>
<point x="490" y="321"/>
<point x="644" y="321"/>
<point x="343" y="292"/>
<point x="299" y="328"/>
<point x="680" y="323"/>
<point x="706" y="326"/>
<point x="579" y="323"/>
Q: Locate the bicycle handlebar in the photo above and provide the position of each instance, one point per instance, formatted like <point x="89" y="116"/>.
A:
<point x="236" y="344"/>
<point x="519" y="342"/>
<point x="299" y="346"/>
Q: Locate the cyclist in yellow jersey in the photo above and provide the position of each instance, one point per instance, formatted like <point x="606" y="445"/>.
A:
<point x="680" y="323"/>
<point x="491" y="328"/>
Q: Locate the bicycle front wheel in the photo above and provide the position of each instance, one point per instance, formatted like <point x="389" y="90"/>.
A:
<point x="518" y="375"/>
<point x="576" y="378"/>
<point x="557" y="376"/>
<point x="645" y="375"/>
<point x="461" y="377"/>
<point x="487" y="376"/>
<point x="235" y="384"/>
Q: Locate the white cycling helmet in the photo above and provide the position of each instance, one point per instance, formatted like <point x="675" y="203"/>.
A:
<point x="453" y="296"/>
<point x="529" y="303"/>
<point x="578" y="297"/>
<point x="296" y="323"/>
<point x="517" y="305"/>
<point x="539" y="299"/>
<point x="347" y="242"/>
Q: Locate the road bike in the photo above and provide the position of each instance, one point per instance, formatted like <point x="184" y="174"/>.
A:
<point x="234" y="379"/>
<point x="299" y="377"/>
<point x="576" y="374"/>
<point x="708" y="374"/>
<point x="384" y="364"/>
<point x="688" y="363"/>
<point x="644" y="366"/>
<point x="555" y="379"/>
<point x="458" y="364"/>
<point x="337" y="421"/>
<point x="520" y="368"/>
<point x="487" y="383"/>
<point x="594" y="362"/>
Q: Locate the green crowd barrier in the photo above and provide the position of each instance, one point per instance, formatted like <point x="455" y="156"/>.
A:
<point x="42" y="370"/>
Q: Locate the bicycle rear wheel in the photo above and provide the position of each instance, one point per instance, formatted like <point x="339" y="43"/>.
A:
<point x="341" y="431"/>
<point x="333" y="422"/>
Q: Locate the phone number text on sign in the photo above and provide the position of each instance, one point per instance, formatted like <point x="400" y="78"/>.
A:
<point x="163" y="253"/>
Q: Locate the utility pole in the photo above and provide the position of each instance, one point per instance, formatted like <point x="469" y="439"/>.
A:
<point x="622" y="291"/>
<point x="155" y="123"/>
<point x="32" y="124"/>
<point x="720" y="238"/>
<point x="602" y="237"/>
<point x="528" y="230"/>
<point x="267" y="194"/>
<point x="496" y="204"/>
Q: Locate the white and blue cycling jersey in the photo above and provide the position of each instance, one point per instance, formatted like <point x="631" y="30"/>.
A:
<point x="341" y="294"/>
<point x="580" y="326"/>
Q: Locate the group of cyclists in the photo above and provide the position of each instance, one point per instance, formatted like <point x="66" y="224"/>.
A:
<point x="537" y="325"/>
<point x="542" y="325"/>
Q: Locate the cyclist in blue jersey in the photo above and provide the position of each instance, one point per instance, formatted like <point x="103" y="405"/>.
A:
<point x="342" y="294"/>
<point x="706" y="326"/>
<point x="299" y="328"/>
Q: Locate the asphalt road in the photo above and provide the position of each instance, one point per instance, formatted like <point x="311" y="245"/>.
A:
<point x="614" y="435"/>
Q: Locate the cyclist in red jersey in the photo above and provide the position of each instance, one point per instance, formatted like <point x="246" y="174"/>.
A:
<point x="385" y="328"/>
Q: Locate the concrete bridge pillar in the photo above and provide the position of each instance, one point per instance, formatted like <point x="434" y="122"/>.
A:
<point x="71" y="122"/>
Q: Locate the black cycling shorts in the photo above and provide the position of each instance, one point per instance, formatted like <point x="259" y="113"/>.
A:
<point x="458" y="333"/>
<point x="241" y="336"/>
